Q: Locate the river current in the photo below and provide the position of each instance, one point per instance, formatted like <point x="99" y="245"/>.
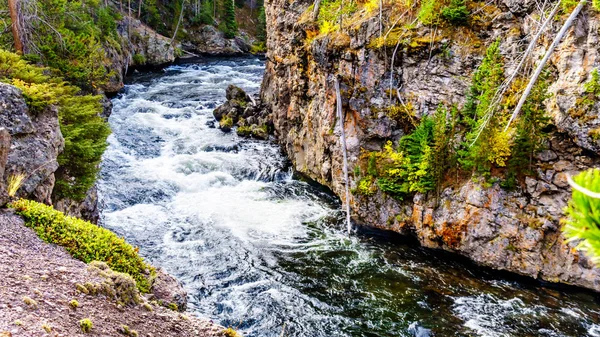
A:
<point x="266" y="253"/>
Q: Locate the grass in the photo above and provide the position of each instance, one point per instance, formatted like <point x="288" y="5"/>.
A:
<point x="15" y="182"/>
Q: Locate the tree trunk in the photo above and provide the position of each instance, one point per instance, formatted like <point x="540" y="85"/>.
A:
<point x="178" y="21"/>
<point x="13" y="7"/>
<point x="542" y="64"/>
<point x="140" y="9"/>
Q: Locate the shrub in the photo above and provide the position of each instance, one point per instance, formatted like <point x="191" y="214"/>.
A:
<point x="85" y="241"/>
<point x="139" y="59"/>
<point x="583" y="222"/>
<point x="456" y="12"/>
<point x="86" y="325"/>
<point x="230" y="332"/>
<point x="74" y="304"/>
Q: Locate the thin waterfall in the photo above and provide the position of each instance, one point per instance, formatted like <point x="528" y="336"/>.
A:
<point x="340" y="117"/>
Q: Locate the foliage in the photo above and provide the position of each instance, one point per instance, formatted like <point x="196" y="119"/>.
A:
<point x="71" y="39"/>
<point x="85" y="136"/>
<point x="86" y="325"/>
<point x="85" y="241"/>
<point x="230" y="332"/>
<point x="529" y="135"/>
<point x="486" y="144"/>
<point x="139" y="59"/>
<point x="84" y="131"/>
<point x="583" y="215"/>
<point x="229" y="25"/>
<point x="14" y="183"/>
<point x="261" y="30"/>
<point x="417" y="165"/>
<point x="456" y="12"/>
<point x="205" y="17"/>
<point x="427" y="13"/>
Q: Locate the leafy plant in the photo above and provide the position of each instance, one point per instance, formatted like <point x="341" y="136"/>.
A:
<point x="85" y="241"/>
<point x="86" y="325"/>
<point x="583" y="213"/>
<point x="456" y="12"/>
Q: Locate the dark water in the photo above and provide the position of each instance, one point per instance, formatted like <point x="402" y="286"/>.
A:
<point x="262" y="252"/>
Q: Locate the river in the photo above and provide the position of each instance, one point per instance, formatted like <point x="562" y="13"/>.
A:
<point x="266" y="253"/>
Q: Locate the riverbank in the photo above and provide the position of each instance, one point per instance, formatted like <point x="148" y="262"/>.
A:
<point x="40" y="295"/>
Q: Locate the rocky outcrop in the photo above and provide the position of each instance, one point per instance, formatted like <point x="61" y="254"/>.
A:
<point x="516" y="231"/>
<point x="208" y="40"/>
<point x="252" y="118"/>
<point x="36" y="142"/>
<point x="139" y="45"/>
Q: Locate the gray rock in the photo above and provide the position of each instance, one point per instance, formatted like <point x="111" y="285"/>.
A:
<point x="34" y="149"/>
<point x="14" y="114"/>
<point x="167" y="289"/>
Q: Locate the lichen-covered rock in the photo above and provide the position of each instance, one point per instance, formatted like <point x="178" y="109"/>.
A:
<point x="35" y="145"/>
<point x="516" y="231"/>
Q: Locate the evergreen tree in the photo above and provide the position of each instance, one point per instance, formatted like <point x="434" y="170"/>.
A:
<point x="485" y="144"/>
<point x="229" y="25"/>
<point x="529" y="135"/>
<point x="261" y="31"/>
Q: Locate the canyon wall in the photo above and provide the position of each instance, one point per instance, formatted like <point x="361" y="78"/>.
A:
<point x="518" y="230"/>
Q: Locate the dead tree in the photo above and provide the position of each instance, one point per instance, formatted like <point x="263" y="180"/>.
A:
<point x="13" y="6"/>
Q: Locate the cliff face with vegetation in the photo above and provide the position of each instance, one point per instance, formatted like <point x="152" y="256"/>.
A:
<point x="501" y="207"/>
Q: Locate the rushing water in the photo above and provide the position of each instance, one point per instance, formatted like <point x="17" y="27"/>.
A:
<point x="263" y="252"/>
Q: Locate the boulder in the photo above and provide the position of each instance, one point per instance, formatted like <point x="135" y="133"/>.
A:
<point x="36" y="142"/>
<point x="169" y="291"/>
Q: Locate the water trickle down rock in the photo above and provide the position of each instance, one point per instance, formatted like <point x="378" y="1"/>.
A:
<point x="515" y="231"/>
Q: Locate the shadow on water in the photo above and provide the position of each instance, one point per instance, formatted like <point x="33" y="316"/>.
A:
<point x="259" y="248"/>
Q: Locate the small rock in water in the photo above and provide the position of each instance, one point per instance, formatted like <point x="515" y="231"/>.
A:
<point x="416" y="330"/>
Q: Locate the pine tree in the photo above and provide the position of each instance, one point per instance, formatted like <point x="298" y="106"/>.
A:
<point x="261" y="31"/>
<point x="485" y="144"/>
<point x="229" y="25"/>
<point x="529" y="135"/>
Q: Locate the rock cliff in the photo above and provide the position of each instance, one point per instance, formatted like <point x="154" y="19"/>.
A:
<point x="514" y="230"/>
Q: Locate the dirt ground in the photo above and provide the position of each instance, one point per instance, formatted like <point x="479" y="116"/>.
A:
<point x="38" y="281"/>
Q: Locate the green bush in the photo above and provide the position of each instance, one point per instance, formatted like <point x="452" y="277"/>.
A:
<point x="456" y="12"/>
<point x="86" y="325"/>
<point x="85" y="241"/>
<point x="139" y="59"/>
<point x="583" y="215"/>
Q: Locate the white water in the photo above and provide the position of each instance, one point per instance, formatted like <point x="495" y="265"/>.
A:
<point x="257" y="249"/>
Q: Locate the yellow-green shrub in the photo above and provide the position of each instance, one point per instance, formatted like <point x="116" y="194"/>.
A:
<point x="85" y="241"/>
